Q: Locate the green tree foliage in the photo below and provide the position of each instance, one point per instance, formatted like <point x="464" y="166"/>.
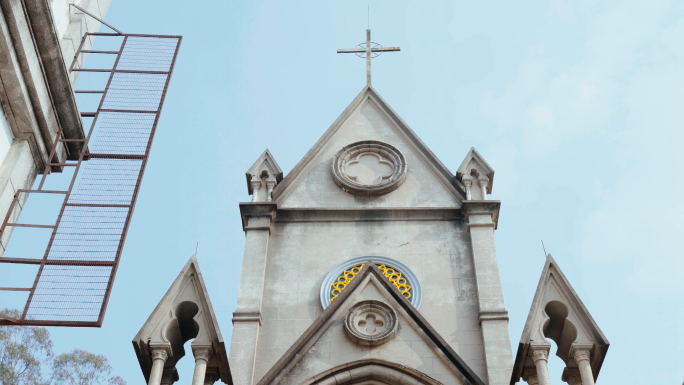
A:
<point x="83" y="368"/>
<point x="22" y="353"/>
<point x="26" y="355"/>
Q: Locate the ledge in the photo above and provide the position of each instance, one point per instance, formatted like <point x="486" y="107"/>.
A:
<point x="369" y="214"/>
<point x="256" y="209"/>
<point x="483" y="208"/>
<point x="247" y="317"/>
<point x="493" y="316"/>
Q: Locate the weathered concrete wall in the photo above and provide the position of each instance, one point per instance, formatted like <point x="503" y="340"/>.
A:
<point x="316" y="188"/>
<point x="301" y="254"/>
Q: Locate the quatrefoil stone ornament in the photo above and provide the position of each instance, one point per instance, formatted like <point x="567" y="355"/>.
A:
<point x="371" y="323"/>
<point x="369" y="168"/>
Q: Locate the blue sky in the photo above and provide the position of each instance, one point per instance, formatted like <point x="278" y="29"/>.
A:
<point x="576" y="104"/>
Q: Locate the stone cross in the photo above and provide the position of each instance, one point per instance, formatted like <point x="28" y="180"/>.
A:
<point x="368" y="50"/>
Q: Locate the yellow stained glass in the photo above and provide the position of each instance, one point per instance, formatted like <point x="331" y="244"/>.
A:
<point x="391" y="273"/>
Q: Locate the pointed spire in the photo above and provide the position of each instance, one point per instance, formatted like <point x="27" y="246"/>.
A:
<point x="184" y="313"/>
<point x="264" y="174"/>
<point x="476" y="175"/>
<point x="557" y="313"/>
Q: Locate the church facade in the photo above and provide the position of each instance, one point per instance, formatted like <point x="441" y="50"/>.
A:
<point x="370" y="263"/>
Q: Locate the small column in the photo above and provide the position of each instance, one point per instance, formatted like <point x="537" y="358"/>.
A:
<point x="467" y="184"/>
<point x="530" y="376"/>
<point x="582" y="357"/>
<point x="159" y="357"/>
<point x="483" y="187"/>
<point x="270" y="184"/>
<point x="256" y="185"/>
<point x="540" y="356"/>
<point x="571" y="376"/>
<point x="211" y="376"/>
<point x="202" y="356"/>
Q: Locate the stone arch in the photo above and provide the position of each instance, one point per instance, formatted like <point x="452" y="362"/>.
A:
<point x="182" y="328"/>
<point x="560" y="329"/>
<point x="371" y="371"/>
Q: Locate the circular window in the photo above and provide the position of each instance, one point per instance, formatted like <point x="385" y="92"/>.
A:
<point x="398" y="273"/>
<point x="371" y="323"/>
<point x="369" y="168"/>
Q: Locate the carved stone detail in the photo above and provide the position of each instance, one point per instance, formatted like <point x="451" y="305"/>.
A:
<point x="581" y="355"/>
<point x="540" y="354"/>
<point x="201" y="354"/>
<point x="371" y="323"/>
<point x="350" y="172"/>
<point x="160" y="353"/>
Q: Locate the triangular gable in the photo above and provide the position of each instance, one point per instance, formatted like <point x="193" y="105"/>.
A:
<point x="475" y="161"/>
<point x="370" y="98"/>
<point x="266" y="163"/>
<point x="164" y="327"/>
<point x="554" y="287"/>
<point x="333" y="314"/>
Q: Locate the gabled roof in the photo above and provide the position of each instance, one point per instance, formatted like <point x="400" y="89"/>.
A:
<point x="370" y="95"/>
<point x="162" y="326"/>
<point x="474" y="156"/>
<point x="553" y="279"/>
<point x="265" y="160"/>
<point x="297" y="351"/>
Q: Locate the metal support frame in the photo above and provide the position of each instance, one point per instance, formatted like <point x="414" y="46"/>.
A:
<point x="87" y="239"/>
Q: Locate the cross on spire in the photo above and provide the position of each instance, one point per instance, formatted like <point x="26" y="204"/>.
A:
<point x="371" y="50"/>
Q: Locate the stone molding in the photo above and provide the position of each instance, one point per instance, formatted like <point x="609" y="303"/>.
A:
<point x="256" y="210"/>
<point x="493" y="316"/>
<point x="386" y="154"/>
<point x="487" y="207"/>
<point x="381" y="314"/>
<point x="369" y="370"/>
<point x="247" y="317"/>
<point x="370" y="214"/>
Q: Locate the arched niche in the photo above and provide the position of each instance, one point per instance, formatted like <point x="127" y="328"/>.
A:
<point x="560" y="329"/>
<point x="182" y="328"/>
<point x="370" y="371"/>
